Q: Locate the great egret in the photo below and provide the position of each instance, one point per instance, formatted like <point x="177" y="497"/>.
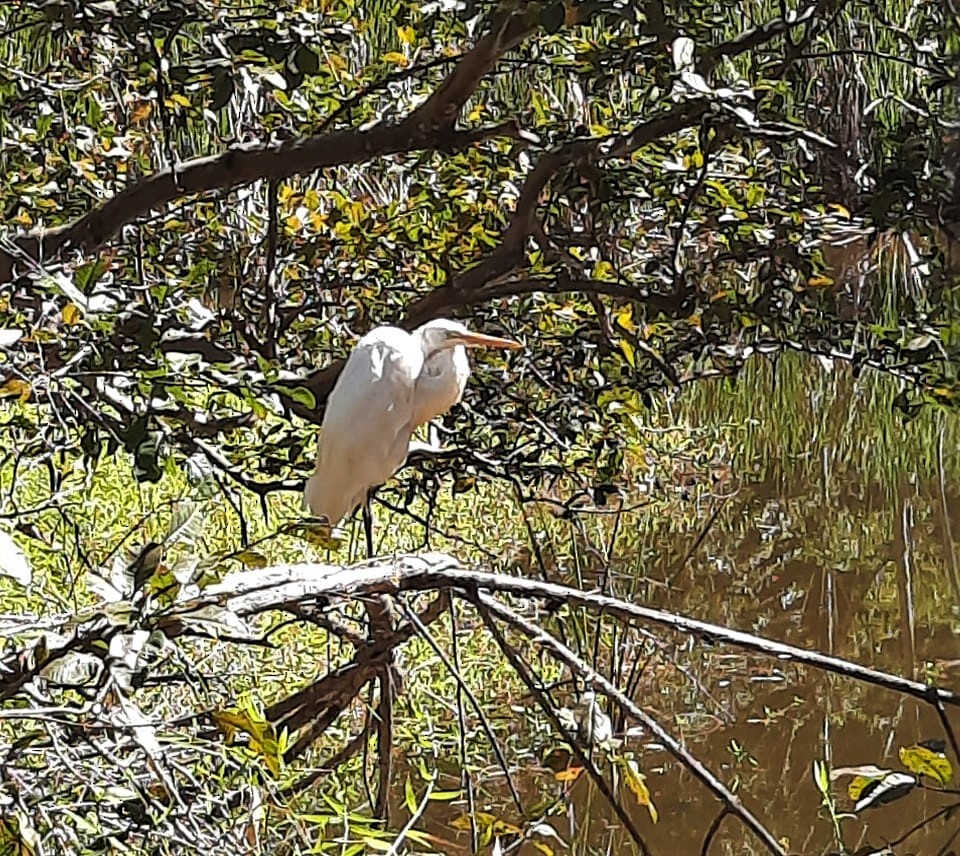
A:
<point x="393" y="382"/>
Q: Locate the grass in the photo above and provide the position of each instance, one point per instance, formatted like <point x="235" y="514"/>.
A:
<point x="774" y="436"/>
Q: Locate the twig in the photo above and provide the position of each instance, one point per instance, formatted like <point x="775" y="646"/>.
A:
<point x="486" y="606"/>
<point x="594" y="679"/>
<point x="463" y="689"/>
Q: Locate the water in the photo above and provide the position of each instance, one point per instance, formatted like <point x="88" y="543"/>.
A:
<point x="831" y="526"/>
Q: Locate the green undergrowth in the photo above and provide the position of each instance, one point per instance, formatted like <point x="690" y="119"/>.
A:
<point x="822" y="462"/>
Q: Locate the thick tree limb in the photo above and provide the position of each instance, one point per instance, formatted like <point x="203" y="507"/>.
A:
<point x="509" y="254"/>
<point x="430" y="126"/>
<point x="255" y="591"/>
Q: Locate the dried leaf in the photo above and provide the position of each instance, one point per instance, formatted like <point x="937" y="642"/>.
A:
<point x="16" y="387"/>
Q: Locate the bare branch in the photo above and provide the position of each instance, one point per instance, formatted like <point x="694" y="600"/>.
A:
<point x="577" y="666"/>
<point x="256" y="591"/>
<point x="430" y="126"/>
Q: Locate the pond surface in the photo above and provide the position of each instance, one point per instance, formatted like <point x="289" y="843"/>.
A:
<point x="831" y="527"/>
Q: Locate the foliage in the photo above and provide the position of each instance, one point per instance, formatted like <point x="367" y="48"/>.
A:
<point x="209" y="201"/>
<point x="630" y="190"/>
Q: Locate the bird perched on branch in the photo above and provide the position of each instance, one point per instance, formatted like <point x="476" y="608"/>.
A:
<point x="392" y="383"/>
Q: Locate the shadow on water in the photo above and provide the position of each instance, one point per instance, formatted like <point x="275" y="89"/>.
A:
<point x="835" y="531"/>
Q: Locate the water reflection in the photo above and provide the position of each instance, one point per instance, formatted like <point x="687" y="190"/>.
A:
<point x="835" y="532"/>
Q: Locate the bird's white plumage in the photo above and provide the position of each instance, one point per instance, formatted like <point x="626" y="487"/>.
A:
<point x="392" y="383"/>
<point x="365" y="437"/>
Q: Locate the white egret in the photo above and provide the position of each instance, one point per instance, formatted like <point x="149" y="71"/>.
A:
<point x="392" y="383"/>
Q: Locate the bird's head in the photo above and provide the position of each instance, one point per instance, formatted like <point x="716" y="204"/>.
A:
<point x="443" y="334"/>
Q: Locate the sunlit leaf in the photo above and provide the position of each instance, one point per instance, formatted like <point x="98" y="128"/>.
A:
<point x="926" y="762"/>
<point x="263" y="739"/>
<point x="444" y="796"/>
<point x="14" y="387"/>
<point x="878" y="792"/>
<point x="396" y="58"/>
<point x="637" y="783"/>
<point x="571" y="774"/>
<point x="409" y="797"/>
<point x="72" y="314"/>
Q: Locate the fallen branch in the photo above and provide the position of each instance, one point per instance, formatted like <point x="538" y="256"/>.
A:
<point x="593" y="679"/>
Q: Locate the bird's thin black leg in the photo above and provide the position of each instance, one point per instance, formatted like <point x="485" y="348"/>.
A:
<point x="367" y="512"/>
<point x="380" y="614"/>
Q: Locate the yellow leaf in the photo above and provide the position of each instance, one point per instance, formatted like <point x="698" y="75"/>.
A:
<point x="571" y="774"/>
<point x="843" y="212"/>
<point x="605" y="270"/>
<point x="637" y="783"/>
<point x="396" y="58"/>
<point x="406" y="35"/>
<point x="483" y="820"/>
<point x="263" y="736"/>
<point x="858" y="783"/>
<point x="926" y="762"/>
<point x="628" y="354"/>
<point x="624" y="315"/>
<point x="71" y="314"/>
<point x="16" y="387"/>
<point x="501" y="827"/>
<point x="819" y="282"/>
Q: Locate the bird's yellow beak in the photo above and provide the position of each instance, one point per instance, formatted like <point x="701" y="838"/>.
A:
<point x="480" y="340"/>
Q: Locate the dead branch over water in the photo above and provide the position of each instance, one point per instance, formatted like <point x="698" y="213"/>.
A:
<point x="313" y="593"/>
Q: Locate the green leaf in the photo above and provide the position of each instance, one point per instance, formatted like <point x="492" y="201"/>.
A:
<point x="303" y="396"/>
<point x="409" y="797"/>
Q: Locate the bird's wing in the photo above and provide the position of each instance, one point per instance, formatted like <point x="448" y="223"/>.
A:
<point x="367" y="423"/>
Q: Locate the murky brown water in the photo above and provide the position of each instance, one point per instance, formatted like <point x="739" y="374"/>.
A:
<point x="841" y="539"/>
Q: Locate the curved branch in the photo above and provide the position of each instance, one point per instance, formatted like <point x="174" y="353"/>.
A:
<point x="430" y="126"/>
<point x="255" y="591"/>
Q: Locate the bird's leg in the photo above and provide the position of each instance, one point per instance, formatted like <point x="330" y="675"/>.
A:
<point x="380" y="616"/>
<point x="367" y="512"/>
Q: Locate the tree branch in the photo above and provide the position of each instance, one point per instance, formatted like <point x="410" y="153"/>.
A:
<point x="430" y="126"/>
<point x="255" y="591"/>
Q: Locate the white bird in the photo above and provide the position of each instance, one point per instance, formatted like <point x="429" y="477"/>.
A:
<point x="392" y="383"/>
